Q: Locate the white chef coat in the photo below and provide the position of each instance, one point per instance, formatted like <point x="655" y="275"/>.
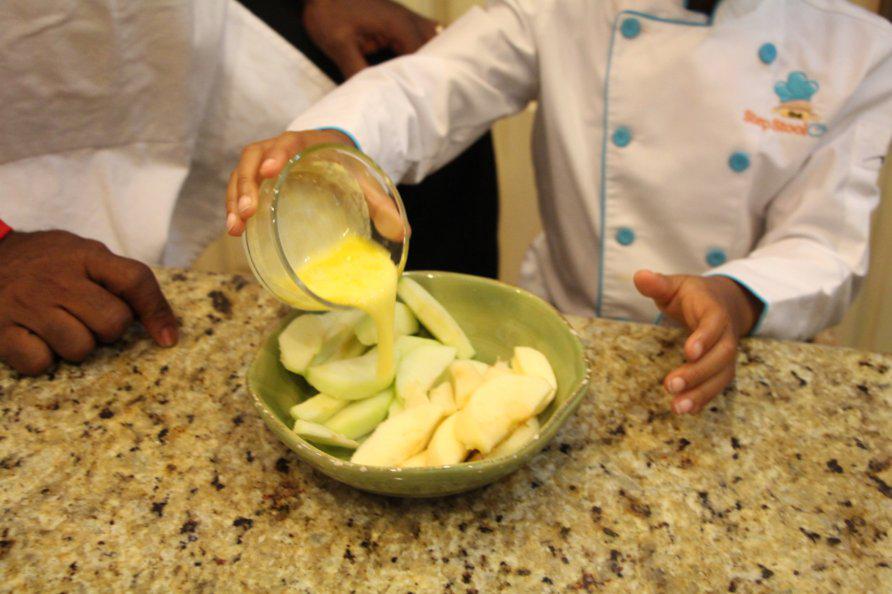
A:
<point x="747" y="144"/>
<point x="111" y="110"/>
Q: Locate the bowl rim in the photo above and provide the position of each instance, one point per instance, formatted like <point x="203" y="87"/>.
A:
<point x="557" y="419"/>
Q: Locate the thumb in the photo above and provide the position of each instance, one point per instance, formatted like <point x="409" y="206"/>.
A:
<point x="656" y="286"/>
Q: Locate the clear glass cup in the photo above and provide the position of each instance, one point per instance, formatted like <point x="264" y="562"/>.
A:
<point x="322" y="195"/>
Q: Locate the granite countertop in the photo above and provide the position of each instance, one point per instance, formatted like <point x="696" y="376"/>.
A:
<point x="148" y="469"/>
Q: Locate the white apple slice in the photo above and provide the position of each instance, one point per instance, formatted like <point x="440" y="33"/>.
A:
<point x="406" y="344"/>
<point x="400" y="437"/>
<point x="518" y="438"/>
<point x="340" y="337"/>
<point x="498" y="369"/>
<point x="434" y="317"/>
<point x="317" y="409"/>
<point x="350" y="379"/>
<point x="404" y="323"/>
<point x="444" y="447"/>
<point x="361" y="417"/>
<point x="300" y="341"/>
<point x="467" y="375"/>
<point x="497" y="407"/>
<point x="322" y="435"/>
<point x="418" y="371"/>
<point x="529" y="361"/>
<point x="443" y="396"/>
<point x="416" y="461"/>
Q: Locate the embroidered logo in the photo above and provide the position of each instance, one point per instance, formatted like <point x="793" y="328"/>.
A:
<point x="795" y="95"/>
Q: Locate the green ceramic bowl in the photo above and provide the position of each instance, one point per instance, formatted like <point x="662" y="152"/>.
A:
<point x="496" y="318"/>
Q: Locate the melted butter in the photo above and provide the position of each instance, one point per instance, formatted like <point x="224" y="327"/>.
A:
<point x="358" y="272"/>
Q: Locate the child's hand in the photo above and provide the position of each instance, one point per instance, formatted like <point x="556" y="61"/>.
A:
<point x="717" y="311"/>
<point x="265" y="159"/>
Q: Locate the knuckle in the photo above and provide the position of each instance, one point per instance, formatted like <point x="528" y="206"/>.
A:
<point x="137" y="275"/>
<point x="114" y="324"/>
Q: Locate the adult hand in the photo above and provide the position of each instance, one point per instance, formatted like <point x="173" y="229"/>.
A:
<point x="60" y="293"/>
<point x="717" y="311"/>
<point x="347" y="31"/>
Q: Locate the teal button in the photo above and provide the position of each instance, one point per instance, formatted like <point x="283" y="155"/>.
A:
<point x="630" y="28"/>
<point x="767" y="53"/>
<point x="622" y="136"/>
<point x="716" y="257"/>
<point x="739" y="162"/>
<point x="625" y="236"/>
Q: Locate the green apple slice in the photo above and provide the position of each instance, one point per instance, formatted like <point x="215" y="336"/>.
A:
<point x="350" y="379"/>
<point x="300" y="341"/>
<point x="404" y="323"/>
<point x="395" y="408"/>
<point x="434" y="317"/>
<point x="362" y="416"/>
<point x="518" y="438"/>
<point x="321" y="435"/>
<point x="529" y="361"/>
<point x="317" y="409"/>
<point x="444" y="447"/>
<point x="400" y="437"/>
<point x="406" y="344"/>
<point x="418" y="371"/>
<point x="497" y="407"/>
<point x="340" y="337"/>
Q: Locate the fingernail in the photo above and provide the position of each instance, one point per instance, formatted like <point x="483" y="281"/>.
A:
<point x="244" y="203"/>
<point x="231" y="220"/>
<point x="268" y="163"/>
<point x="168" y="337"/>
<point x="684" y="406"/>
<point x="696" y="350"/>
<point x="676" y="385"/>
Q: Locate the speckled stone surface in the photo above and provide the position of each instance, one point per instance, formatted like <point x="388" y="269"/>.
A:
<point x="147" y="469"/>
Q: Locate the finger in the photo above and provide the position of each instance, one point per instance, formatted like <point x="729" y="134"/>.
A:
<point x="707" y="329"/>
<point x="694" y="400"/>
<point x="104" y="314"/>
<point x="62" y="332"/>
<point x="234" y="225"/>
<point x="24" y="351"/>
<point x="134" y="282"/>
<point x="659" y="287"/>
<point x="282" y="148"/>
<point x="246" y="175"/>
<point x="409" y="34"/>
<point x="721" y="356"/>
<point x="347" y="56"/>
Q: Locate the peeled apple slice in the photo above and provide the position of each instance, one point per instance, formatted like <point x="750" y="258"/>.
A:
<point x="317" y="409"/>
<point x="400" y="437"/>
<point x="442" y="395"/>
<point x="418" y="371"/>
<point x="395" y="408"/>
<point x="340" y="337"/>
<point x="466" y="377"/>
<point x="300" y="341"/>
<point x="404" y="323"/>
<point x="416" y="461"/>
<point x="434" y="317"/>
<point x="445" y="448"/>
<point x="500" y="368"/>
<point x="406" y="344"/>
<point x="362" y="416"/>
<point x="529" y="361"/>
<point x="322" y="435"/>
<point x="518" y="438"/>
<point x="497" y="407"/>
<point x="350" y="379"/>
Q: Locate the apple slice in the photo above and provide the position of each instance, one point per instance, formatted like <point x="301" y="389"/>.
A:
<point x="416" y="461"/>
<point x="400" y="437"/>
<point x="497" y="407"/>
<point x="317" y="433"/>
<point x="529" y="361"/>
<point x="518" y="438"/>
<point x="395" y="408"/>
<point x="300" y="341"/>
<point x="362" y="416"/>
<point x="350" y="379"/>
<point x="467" y="375"/>
<point x="340" y="337"/>
<point x="404" y="323"/>
<point x="317" y="409"/>
<point x="418" y="371"/>
<point x="445" y="448"/>
<point x="497" y="369"/>
<point x="443" y="396"/>
<point x="406" y="344"/>
<point x="434" y="317"/>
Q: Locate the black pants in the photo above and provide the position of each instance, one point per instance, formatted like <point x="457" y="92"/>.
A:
<point x="454" y="212"/>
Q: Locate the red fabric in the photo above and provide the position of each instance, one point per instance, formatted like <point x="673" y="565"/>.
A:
<point x="4" y="229"/>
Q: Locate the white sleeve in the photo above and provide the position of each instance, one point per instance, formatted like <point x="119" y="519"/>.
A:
<point x="807" y="267"/>
<point x="414" y="114"/>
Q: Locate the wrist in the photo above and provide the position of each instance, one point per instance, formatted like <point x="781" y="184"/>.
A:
<point x="743" y="307"/>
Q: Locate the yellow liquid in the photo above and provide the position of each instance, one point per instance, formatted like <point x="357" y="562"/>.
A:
<point x="359" y="273"/>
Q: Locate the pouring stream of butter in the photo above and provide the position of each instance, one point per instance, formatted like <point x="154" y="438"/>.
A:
<point x="357" y="272"/>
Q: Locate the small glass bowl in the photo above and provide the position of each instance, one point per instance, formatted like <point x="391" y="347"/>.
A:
<point x="323" y="194"/>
